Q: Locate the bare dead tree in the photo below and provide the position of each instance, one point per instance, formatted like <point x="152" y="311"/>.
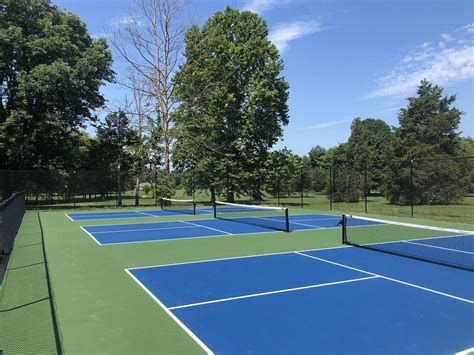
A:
<point x="140" y="113"/>
<point x="150" y="40"/>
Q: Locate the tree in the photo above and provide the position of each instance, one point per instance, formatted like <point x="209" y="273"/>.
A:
<point x="367" y="147"/>
<point x="316" y="156"/>
<point x="285" y="173"/>
<point x="151" y="42"/>
<point x="232" y="102"/>
<point x="346" y="184"/>
<point x="114" y="146"/>
<point x="50" y="74"/>
<point x="316" y="168"/>
<point x="422" y="157"/>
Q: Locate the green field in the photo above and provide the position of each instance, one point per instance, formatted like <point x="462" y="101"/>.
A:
<point x="99" y="307"/>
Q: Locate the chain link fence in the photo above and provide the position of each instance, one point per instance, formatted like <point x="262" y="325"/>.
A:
<point x="441" y="189"/>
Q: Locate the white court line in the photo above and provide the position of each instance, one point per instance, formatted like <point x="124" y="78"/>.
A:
<point x="146" y="214"/>
<point x="306" y="225"/>
<point x="68" y="216"/>
<point x="139" y="230"/>
<point x="437" y="247"/>
<point x="160" y="240"/>
<point x="199" y="225"/>
<point x="90" y="235"/>
<point x="386" y="278"/>
<point x="166" y="309"/>
<point x="316" y="219"/>
<point x="273" y="292"/>
<point x="466" y="352"/>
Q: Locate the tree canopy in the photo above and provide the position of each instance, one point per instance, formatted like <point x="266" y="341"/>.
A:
<point x="422" y="165"/>
<point x="233" y="100"/>
<point x="50" y="73"/>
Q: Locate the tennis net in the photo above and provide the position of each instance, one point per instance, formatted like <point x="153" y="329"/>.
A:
<point x="178" y="206"/>
<point x="445" y="246"/>
<point x="262" y="216"/>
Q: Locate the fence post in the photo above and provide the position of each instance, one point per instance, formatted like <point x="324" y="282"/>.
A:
<point x="330" y="186"/>
<point x="365" y="186"/>
<point x="278" y="188"/>
<point x="119" y="188"/>
<point x="155" y="186"/>
<point x="411" y="187"/>
<point x="301" y="187"/>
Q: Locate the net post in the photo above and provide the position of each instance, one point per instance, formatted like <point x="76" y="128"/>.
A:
<point x="343" y="223"/>
<point x="194" y="207"/>
<point x="287" y="221"/>
<point x="214" y="205"/>
<point x="161" y="203"/>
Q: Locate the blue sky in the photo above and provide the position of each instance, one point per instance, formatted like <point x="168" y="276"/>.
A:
<point x="345" y="59"/>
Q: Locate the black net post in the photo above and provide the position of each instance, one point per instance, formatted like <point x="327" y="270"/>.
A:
<point x="287" y="221"/>
<point x="343" y="224"/>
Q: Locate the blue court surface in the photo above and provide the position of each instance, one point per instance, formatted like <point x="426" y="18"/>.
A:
<point x="145" y="232"/>
<point x="91" y="216"/>
<point x="343" y="300"/>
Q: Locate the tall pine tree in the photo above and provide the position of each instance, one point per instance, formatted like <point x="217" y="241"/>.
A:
<point x="427" y="144"/>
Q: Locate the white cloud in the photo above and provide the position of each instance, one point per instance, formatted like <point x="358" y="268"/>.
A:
<point x="468" y="28"/>
<point x="287" y="32"/>
<point x="446" y="37"/>
<point x="327" y="124"/>
<point x="452" y="60"/>
<point x="259" y="6"/>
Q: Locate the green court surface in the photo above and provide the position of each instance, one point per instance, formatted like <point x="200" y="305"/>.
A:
<point x="99" y="308"/>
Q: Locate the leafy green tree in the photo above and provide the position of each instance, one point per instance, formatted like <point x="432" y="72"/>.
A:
<point x="367" y="147"/>
<point x="285" y="173"/>
<point x="233" y="102"/>
<point x="112" y="151"/>
<point x="427" y="144"/>
<point x="50" y="73"/>
<point x="466" y="161"/>
<point x="116" y="138"/>
<point x="346" y="184"/>
<point x="317" y="156"/>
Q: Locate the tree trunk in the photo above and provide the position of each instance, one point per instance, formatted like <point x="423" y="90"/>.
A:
<point x="137" y="191"/>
